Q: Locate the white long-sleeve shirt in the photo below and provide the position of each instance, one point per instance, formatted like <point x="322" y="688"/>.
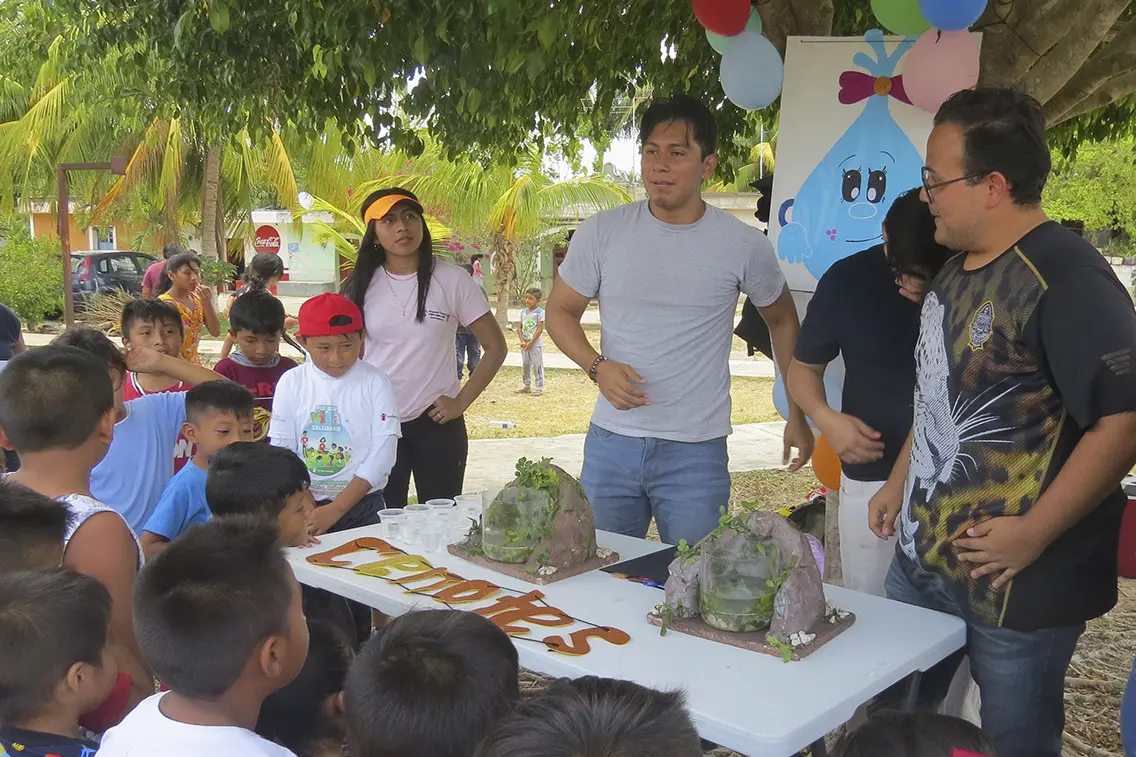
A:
<point x="341" y="427"/>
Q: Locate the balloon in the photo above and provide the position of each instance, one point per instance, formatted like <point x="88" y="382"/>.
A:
<point x="724" y="17"/>
<point x="834" y="383"/>
<point x="780" y="398"/>
<point x="720" y="43"/>
<point x="752" y="71"/>
<point x="951" y="15"/>
<point x="826" y="465"/>
<point x="940" y="64"/>
<point x="901" y="16"/>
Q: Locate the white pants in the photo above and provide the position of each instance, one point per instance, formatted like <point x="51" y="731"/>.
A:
<point x="864" y="557"/>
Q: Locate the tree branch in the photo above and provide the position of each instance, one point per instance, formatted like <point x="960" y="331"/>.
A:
<point x="1017" y="32"/>
<point x="1114" y="58"/>
<point x="782" y="18"/>
<point x="1108" y="93"/>
<point x="1054" y="69"/>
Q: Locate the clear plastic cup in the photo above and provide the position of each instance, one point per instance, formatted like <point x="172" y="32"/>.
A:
<point x="416" y="517"/>
<point x="471" y="507"/>
<point x="432" y="536"/>
<point x="394" y="521"/>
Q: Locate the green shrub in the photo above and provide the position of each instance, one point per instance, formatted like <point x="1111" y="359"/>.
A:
<point x="30" y="273"/>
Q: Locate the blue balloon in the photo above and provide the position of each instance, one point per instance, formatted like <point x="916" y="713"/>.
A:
<point x="780" y="398"/>
<point x="952" y="15"/>
<point x="834" y="384"/>
<point x="752" y="71"/>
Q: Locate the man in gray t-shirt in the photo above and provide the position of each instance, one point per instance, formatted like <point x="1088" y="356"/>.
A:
<point x="667" y="272"/>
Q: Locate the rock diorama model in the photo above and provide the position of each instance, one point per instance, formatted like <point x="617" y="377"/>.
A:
<point x="538" y="528"/>
<point x="753" y="583"/>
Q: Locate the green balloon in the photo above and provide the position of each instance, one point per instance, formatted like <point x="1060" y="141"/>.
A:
<point x="719" y="43"/>
<point x="900" y="17"/>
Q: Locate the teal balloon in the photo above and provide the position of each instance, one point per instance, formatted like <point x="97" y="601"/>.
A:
<point x="901" y="17"/>
<point x="720" y="43"/>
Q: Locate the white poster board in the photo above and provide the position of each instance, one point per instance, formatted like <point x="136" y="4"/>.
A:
<point x="848" y="144"/>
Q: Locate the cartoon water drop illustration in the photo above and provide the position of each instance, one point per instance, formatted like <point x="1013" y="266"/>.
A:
<point x="840" y="206"/>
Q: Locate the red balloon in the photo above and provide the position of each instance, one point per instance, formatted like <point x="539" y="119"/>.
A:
<point x="723" y="17"/>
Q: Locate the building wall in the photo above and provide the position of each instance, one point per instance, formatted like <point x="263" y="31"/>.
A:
<point x="43" y="227"/>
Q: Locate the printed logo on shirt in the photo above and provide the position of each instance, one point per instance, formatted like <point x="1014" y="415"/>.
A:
<point x="438" y="315"/>
<point x="982" y="326"/>
<point x="326" y="442"/>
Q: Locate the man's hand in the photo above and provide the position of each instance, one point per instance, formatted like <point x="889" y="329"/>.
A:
<point x="799" y="435"/>
<point x="142" y="359"/>
<point x="884" y="508"/>
<point x="323" y="518"/>
<point x="620" y="384"/>
<point x="446" y="409"/>
<point x="1005" y="546"/>
<point x="852" y="440"/>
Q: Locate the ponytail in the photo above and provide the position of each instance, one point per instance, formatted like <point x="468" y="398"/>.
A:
<point x="264" y="267"/>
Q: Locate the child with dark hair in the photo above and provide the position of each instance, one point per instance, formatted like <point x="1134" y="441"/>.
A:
<point x="11" y="344"/>
<point x="57" y="411"/>
<point x="155" y="324"/>
<point x="256" y="324"/>
<point x="260" y="480"/>
<point x="139" y="464"/>
<point x="432" y="683"/>
<point x="32" y="528"/>
<point x="218" y="615"/>
<point x="909" y="734"/>
<point x="182" y="287"/>
<point x="529" y="331"/>
<point x="307" y="715"/>
<point x="217" y="414"/>
<point x="55" y="662"/>
<point x="598" y="717"/>
<point x="262" y="276"/>
<point x="246" y="478"/>
<point x="338" y="398"/>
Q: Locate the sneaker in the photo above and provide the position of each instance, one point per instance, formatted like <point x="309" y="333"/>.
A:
<point x="524" y="390"/>
<point x="537" y="393"/>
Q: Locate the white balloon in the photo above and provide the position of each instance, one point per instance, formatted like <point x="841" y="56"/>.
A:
<point x="752" y="71"/>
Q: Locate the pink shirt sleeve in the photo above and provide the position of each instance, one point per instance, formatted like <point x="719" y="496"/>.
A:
<point x="153" y="274"/>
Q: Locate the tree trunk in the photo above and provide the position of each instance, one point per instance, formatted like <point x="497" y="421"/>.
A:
<point x="210" y="201"/>
<point x="504" y="267"/>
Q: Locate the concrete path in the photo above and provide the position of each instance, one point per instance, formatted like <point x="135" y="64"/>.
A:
<point x="491" y="462"/>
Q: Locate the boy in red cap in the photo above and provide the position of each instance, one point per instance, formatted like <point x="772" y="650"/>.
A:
<point x="339" y="415"/>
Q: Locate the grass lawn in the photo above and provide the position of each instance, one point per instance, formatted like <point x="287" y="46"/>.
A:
<point x="568" y="400"/>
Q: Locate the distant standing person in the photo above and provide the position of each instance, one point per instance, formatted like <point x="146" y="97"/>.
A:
<point x="529" y="331"/>
<point x="412" y="305"/>
<point x="182" y="286"/>
<point x="476" y="271"/>
<point x="11" y="344"/>
<point x="468" y="348"/>
<point x="668" y="272"/>
<point x="155" y="272"/>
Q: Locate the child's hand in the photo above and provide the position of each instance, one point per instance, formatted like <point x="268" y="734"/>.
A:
<point x="322" y="519"/>
<point x="204" y="292"/>
<point x="142" y="359"/>
<point x="290" y="322"/>
<point x="310" y="536"/>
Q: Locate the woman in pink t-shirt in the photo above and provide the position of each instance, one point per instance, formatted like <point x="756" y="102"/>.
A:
<point x="412" y="306"/>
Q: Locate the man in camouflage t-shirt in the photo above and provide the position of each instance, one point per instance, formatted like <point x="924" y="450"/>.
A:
<point x="1009" y="501"/>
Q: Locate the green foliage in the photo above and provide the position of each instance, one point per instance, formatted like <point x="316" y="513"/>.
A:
<point x="687" y="553"/>
<point x="1096" y="185"/>
<point x="32" y="280"/>
<point x="783" y="647"/>
<point x="215" y="273"/>
<point x="538" y="475"/>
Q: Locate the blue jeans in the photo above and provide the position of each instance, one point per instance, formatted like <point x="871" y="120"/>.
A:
<point x="1020" y="674"/>
<point x="1128" y="716"/>
<point x="468" y="351"/>
<point x="629" y="479"/>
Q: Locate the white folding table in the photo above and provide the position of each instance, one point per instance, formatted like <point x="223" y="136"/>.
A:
<point x="750" y="702"/>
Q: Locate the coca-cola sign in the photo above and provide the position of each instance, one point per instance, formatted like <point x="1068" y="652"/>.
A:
<point x="267" y="240"/>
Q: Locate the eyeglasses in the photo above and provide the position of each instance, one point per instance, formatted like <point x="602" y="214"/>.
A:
<point x="928" y="187"/>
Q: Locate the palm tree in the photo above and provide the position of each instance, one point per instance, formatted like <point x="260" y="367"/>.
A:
<point x="762" y="139"/>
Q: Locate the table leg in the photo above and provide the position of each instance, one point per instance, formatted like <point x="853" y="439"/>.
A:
<point x="911" y="696"/>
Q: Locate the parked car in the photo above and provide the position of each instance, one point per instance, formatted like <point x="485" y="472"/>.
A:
<point x="102" y="271"/>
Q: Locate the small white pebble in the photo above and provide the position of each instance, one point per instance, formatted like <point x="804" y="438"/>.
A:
<point x="547" y="570"/>
<point x="603" y="554"/>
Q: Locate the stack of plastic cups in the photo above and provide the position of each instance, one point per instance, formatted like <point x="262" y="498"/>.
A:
<point x="416" y="517"/>
<point x="441" y="511"/>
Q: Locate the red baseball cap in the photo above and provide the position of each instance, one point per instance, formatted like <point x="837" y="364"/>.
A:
<point x="317" y="314"/>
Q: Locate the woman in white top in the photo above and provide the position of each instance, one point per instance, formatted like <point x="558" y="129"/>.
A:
<point x="412" y="305"/>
